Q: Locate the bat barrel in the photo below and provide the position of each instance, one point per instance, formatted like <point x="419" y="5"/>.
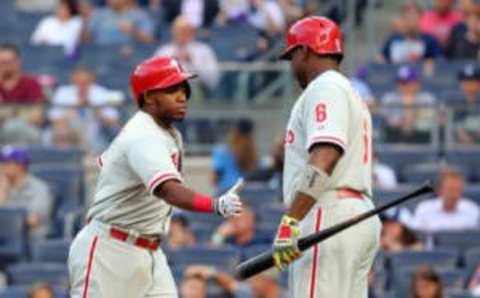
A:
<point x="254" y="265"/>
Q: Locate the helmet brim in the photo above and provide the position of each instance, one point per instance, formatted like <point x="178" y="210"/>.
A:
<point x="285" y="55"/>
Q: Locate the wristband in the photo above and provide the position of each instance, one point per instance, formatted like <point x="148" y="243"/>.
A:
<point x="202" y="203"/>
<point x="313" y="182"/>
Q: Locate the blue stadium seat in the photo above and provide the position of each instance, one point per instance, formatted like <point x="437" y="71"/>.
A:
<point x="472" y="192"/>
<point x="439" y="259"/>
<point x="13" y="235"/>
<point x="401" y="156"/>
<point x="28" y="273"/>
<point x="233" y="42"/>
<point x="49" y="155"/>
<point x="259" y="196"/>
<point x="466" y="157"/>
<point x="460" y="240"/>
<point x="270" y="215"/>
<point x="471" y="259"/>
<point x="35" y="56"/>
<point x="452" y="279"/>
<point x="52" y="250"/>
<point x="460" y="294"/>
<point x="419" y="173"/>
<point x="225" y="258"/>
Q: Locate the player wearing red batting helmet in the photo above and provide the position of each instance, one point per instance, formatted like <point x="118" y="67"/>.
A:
<point x="118" y="254"/>
<point x="327" y="169"/>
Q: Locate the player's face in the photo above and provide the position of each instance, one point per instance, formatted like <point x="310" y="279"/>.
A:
<point x="169" y="104"/>
<point x="297" y="63"/>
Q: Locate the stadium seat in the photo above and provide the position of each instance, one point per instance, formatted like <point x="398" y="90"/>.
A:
<point x="233" y="42"/>
<point x="439" y="259"/>
<point x="28" y="273"/>
<point x="383" y="196"/>
<point x="270" y="215"/>
<point x="52" y="250"/>
<point x="13" y="235"/>
<point x="460" y="240"/>
<point x="225" y="258"/>
<point x="259" y="196"/>
<point x="466" y="157"/>
<point x="472" y="192"/>
<point x="401" y="156"/>
<point x="471" y="259"/>
<point x="41" y="155"/>
<point x="452" y="279"/>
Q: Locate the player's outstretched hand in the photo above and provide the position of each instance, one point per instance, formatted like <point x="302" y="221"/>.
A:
<point x="285" y="246"/>
<point x="229" y="204"/>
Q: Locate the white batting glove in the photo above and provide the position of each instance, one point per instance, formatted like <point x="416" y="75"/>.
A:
<point x="229" y="204"/>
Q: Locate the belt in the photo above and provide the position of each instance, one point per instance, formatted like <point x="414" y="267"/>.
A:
<point x="348" y="193"/>
<point x="137" y="241"/>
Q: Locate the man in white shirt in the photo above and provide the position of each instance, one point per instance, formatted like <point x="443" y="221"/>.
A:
<point x="193" y="55"/>
<point x="450" y="211"/>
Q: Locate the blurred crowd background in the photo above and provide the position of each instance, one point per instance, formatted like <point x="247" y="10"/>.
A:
<point x="64" y="94"/>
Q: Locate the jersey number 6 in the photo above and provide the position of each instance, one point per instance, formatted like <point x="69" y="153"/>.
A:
<point x="321" y="112"/>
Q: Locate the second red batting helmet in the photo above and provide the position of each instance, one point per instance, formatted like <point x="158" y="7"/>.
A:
<point x="320" y="34"/>
<point x="156" y="73"/>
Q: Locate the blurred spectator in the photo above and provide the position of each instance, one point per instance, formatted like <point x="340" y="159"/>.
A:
<point x="263" y="285"/>
<point x="426" y="283"/>
<point x="384" y="176"/>
<point x="272" y="167"/>
<point x="195" y="56"/>
<point x="449" y="211"/>
<point x="267" y="16"/>
<point x="180" y="234"/>
<point x="41" y="290"/>
<point x="395" y="235"/>
<point x="464" y="41"/>
<point x="292" y="10"/>
<point x="240" y="231"/>
<point x="199" y="13"/>
<point x="193" y="286"/>
<point x="359" y="83"/>
<point x="61" y="29"/>
<point x="19" y="188"/>
<point x="467" y="116"/>
<point x="409" y="45"/>
<point x="233" y="10"/>
<point x="119" y="23"/>
<point x="84" y="105"/>
<point x="235" y="158"/>
<point x="408" y="109"/>
<point x="20" y="132"/>
<point x="16" y="87"/>
<point x="35" y="6"/>
<point x="440" y="20"/>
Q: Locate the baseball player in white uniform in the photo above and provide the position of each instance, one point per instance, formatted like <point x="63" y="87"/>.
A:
<point x="327" y="172"/>
<point x="117" y="253"/>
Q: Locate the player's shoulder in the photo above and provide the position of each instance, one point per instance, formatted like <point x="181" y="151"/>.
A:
<point x="329" y="81"/>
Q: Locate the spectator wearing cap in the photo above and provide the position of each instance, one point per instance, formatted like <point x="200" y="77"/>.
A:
<point x="409" y="44"/>
<point x="194" y="56"/>
<point x="464" y="40"/>
<point x="15" y="86"/>
<point x="408" y="110"/>
<point x="440" y="20"/>
<point x="19" y="188"/>
<point x="61" y="29"/>
<point x="120" y="22"/>
<point x="87" y="107"/>
<point x="450" y="210"/>
<point x="236" y="158"/>
<point x="467" y="116"/>
<point x="180" y="234"/>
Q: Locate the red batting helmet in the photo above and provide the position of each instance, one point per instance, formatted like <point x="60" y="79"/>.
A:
<point x="156" y="73"/>
<point x="320" y="34"/>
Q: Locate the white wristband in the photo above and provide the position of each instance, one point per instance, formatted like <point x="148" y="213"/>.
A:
<point x="313" y="182"/>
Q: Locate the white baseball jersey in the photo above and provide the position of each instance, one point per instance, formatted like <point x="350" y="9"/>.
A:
<point x="141" y="157"/>
<point x="329" y="111"/>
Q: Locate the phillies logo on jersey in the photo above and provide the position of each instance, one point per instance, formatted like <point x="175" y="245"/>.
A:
<point x="290" y="137"/>
<point x="177" y="161"/>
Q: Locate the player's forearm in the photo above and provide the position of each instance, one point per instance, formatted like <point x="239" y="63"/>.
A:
<point x="323" y="157"/>
<point x="178" y="195"/>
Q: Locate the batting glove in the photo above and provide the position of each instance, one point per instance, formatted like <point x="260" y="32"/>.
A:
<point x="285" y="246"/>
<point x="229" y="204"/>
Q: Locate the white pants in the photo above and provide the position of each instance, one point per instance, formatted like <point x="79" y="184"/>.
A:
<point x="337" y="267"/>
<point x="103" y="267"/>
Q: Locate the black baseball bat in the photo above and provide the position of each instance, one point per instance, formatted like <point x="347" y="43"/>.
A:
<point x="265" y="261"/>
